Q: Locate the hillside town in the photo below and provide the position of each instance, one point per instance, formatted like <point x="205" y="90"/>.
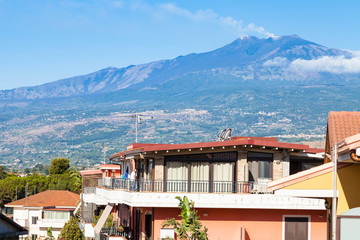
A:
<point x="226" y="189"/>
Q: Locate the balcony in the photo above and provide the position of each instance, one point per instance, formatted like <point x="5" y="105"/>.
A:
<point x="181" y="186"/>
<point x="205" y="194"/>
<point x="113" y="231"/>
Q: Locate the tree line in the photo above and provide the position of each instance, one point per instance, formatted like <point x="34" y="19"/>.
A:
<point x="61" y="177"/>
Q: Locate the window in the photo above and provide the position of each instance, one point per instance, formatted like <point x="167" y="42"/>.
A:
<point x="55" y="215"/>
<point x="148" y="226"/>
<point x="260" y="165"/>
<point x="222" y="177"/>
<point x="177" y="176"/>
<point x="150" y="169"/>
<point x="296" y="228"/>
<point x="208" y="172"/>
<point x="199" y="176"/>
<point x="34" y="220"/>
<point x="298" y="164"/>
<point x="33" y="236"/>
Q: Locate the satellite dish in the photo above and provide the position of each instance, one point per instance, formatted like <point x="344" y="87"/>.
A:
<point x="221" y="135"/>
<point x="225" y="134"/>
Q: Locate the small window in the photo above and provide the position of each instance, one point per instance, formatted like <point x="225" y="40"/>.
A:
<point x="260" y="165"/>
<point x="34" y="220"/>
<point x="33" y="236"/>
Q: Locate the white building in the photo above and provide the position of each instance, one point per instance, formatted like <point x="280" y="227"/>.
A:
<point x="38" y="212"/>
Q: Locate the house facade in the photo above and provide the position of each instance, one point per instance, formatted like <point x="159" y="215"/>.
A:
<point x="10" y="230"/>
<point x="227" y="180"/>
<point x="40" y="211"/>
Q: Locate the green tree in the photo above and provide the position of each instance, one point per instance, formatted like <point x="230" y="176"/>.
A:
<point x="3" y="173"/>
<point x="59" y="166"/>
<point x="108" y="223"/>
<point x="190" y="227"/>
<point x="76" y="179"/>
<point x="71" y="231"/>
<point x="49" y="234"/>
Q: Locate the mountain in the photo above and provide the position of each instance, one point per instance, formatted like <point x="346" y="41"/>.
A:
<point x="251" y="85"/>
<point x="248" y="58"/>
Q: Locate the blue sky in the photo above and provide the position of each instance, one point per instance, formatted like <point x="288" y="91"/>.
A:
<point x="44" y="40"/>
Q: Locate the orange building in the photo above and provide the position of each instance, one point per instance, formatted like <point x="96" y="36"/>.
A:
<point x="342" y="196"/>
<point x="227" y="180"/>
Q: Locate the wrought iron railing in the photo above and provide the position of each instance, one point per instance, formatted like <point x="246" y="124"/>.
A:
<point x="113" y="231"/>
<point x="184" y="186"/>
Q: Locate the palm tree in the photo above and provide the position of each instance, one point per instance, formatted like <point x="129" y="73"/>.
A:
<point x="76" y="177"/>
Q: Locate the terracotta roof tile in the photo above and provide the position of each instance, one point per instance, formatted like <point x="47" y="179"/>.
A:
<point x="49" y="198"/>
<point x="342" y="125"/>
<point x="90" y="172"/>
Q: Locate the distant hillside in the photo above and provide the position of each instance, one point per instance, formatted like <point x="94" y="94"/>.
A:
<point x="248" y="58"/>
<point x="248" y="85"/>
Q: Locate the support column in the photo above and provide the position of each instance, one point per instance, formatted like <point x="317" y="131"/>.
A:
<point x="285" y="157"/>
<point x="277" y="166"/>
<point x="242" y="168"/>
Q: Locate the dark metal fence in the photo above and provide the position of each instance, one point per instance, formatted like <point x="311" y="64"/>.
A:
<point x="180" y="186"/>
<point x="113" y="231"/>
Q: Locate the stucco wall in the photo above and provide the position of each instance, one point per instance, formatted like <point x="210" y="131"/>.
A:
<point x="347" y="179"/>
<point x="259" y="224"/>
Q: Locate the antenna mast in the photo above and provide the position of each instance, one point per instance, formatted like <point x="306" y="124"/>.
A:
<point x="138" y="118"/>
<point x="104" y="150"/>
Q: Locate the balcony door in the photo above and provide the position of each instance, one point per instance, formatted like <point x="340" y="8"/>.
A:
<point x="177" y="176"/>
<point x="260" y="165"/>
<point x="296" y="228"/>
<point x="223" y="173"/>
<point x="200" y="176"/>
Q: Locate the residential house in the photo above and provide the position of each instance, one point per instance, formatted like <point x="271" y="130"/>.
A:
<point x="38" y="212"/>
<point x="343" y="147"/>
<point x="10" y="230"/>
<point x="227" y="180"/>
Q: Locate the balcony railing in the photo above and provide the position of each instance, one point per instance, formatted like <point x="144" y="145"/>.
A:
<point x="183" y="186"/>
<point x="113" y="231"/>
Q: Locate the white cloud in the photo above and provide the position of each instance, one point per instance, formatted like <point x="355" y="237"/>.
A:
<point x="208" y="14"/>
<point x="200" y="15"/>
<point x="337" y="64"/>
<point x="253" y="28"/>
<point x="276" y="62"/>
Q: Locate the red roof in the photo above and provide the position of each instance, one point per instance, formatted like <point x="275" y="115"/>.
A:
<point x="119" y="155"/>
<point x="342" y="125"/>
<point x="49" y="198"/>
<point x="60" y="209"/>
<point x="109" y="166"/>
<point x="235" y="141"/>
<point x="90" y="172"/>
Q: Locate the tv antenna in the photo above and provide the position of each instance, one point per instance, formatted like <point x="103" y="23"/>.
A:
<point x="104" y="150"/>
<point x="138" y="120"/>
<point x="225" y="134"/>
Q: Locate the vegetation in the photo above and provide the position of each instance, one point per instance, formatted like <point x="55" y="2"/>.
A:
<point x="13" y="187"/>
<point x="108" y="223"/>
<point x="76" y="177"/>
<point x="3" y="174"/>
<point x="71" y="231"/>
<point x="49" y="234"/>
<point x="59" y="166"/>
<point x="190" y="227"/>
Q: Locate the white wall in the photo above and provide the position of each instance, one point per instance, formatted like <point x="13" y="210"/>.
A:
<point x="20" y="216"/>
<point x="40" y="228"/>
